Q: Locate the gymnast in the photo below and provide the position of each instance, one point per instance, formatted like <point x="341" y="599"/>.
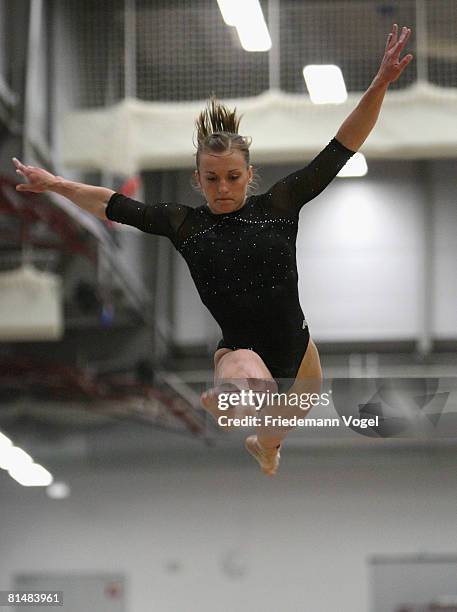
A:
<point x="241" y="249"/>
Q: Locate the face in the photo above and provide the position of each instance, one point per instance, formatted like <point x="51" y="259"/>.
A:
<point x="224" y="178"/>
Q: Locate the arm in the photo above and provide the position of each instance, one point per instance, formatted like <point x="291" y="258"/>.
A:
<point x="159" y="219"/>
<point x="289" y="194"/>
<point x="358" y="125"/>
<point x="89" y="198"/>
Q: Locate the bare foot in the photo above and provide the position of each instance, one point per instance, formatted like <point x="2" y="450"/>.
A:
<point x="268" y="458"/>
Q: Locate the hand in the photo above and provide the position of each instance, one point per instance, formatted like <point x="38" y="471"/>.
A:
<point x="391" y="66"/>
<point x="39" y="180"/>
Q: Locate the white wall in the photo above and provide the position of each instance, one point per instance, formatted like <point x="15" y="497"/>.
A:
<point x="360" y="253"/>
<point x="444" y="194"/>
<point x="218" y="536"/>
<point x="359" y="258"/>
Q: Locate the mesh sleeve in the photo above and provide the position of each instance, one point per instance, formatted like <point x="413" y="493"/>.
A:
<point x="159" y="219"/>
<point x="289" y="194"/>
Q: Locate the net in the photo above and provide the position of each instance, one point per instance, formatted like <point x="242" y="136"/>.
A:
<point x="180" y="51"/>
<point x="151" y="65"/>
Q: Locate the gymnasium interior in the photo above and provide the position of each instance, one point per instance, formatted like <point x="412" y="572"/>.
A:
<point x="141" y="502"/>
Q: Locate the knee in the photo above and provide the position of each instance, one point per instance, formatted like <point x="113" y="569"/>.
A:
<point x="242" y="355"/>
<point x="243" y="364"/>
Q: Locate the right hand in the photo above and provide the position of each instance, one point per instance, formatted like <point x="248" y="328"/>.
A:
<point x="39" y="180"/>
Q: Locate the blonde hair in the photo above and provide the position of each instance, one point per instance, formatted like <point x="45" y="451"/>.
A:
<point x="217" y="131"/>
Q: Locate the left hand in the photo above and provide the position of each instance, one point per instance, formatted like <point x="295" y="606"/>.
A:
<point x="391" y="65"/>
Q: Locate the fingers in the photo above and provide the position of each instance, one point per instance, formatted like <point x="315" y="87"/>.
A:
<point x="405" y="34"/>
<point x="396" y="44"/>
<point x="35" y="182"/>
<point x="392" y="38"/>
<point x="397" y="48"/>
<point x="27" y="189"/>
<point x="389" y="38"/>
<point x="23" y="187"/>
<point x="405" y="61"/>
<point x="20" y="168"/>
<point x="19" y="165"/>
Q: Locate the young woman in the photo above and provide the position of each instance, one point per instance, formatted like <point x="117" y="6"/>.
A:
<point x="241" y="250"/>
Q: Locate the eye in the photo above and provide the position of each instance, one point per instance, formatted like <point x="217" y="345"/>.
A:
<point x="234" y="178"/>
<point x="211" y="179"/>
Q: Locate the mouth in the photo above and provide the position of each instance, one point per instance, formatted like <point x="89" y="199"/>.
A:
<point x="224" y="200"/>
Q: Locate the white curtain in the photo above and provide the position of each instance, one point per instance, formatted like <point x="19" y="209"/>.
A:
<point x="420" y="122"/>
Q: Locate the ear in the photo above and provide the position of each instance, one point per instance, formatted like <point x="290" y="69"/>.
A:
<point x="250" y="173"/>
<point x="197" y="178"/>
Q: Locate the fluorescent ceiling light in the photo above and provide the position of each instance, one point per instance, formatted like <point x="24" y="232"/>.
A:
<point x="252" y="29"/>
<point x="21" y="466"/>
<point x="247" y="17"/>
<point x="230" y="11"/>
<point x="31" y="475"/>
<point x="5" y="442"/>
<point x="13" y="456"/>
<point x="356" y="166"/>
<point x="325" y="84"/>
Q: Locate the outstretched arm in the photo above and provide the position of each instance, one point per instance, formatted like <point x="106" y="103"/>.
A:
<point x="358" y="125"/>
<point x="88" y="197"/>
<point x="159" y="219"/>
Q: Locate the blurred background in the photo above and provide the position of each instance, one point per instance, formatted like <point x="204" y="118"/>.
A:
<point x="141" y="503"/>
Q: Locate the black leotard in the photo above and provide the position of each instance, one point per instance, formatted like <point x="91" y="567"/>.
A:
<point x="243" y="263"/>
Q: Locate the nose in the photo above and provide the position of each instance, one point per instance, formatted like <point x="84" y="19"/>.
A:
<point x="223" y="187"/>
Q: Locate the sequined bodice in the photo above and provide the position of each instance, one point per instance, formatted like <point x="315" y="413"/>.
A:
<point x="243" y="263"/>
<point x="244" y="268"/>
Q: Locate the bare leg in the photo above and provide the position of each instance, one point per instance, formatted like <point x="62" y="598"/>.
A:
<point x="235" y="370"/>
<point x="237" y="367"/>
<point x="243" y="368"/>
<point x="308" y="380"/>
